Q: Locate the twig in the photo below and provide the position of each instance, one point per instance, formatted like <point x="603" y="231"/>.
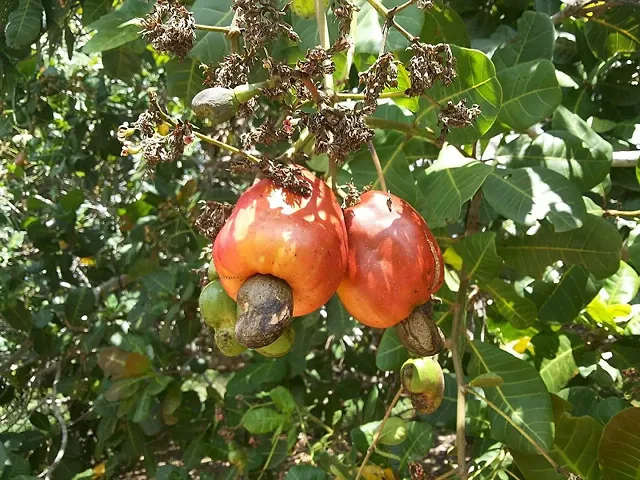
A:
<point x="234" y="34"/>
<point x="403" y="6"/>
<point x="361" y="96"/>
<point x="372" y="447"/>
<point x="323" y="31"/>
<point x="114" y="284"/>
<point x="63" y="426"/>
<point x="535" y="444"/>
<point x="408" y="129"/>
<point x="579" y="10"/>
<point x="376" y="162"/>
<point x="622" y="213"/>
<point x="212" y="141"/>
<point x="389" y="16"/>
<point x="213" y="28"/>
<point x="449" y="474"/>
<point x="625" y="159"/>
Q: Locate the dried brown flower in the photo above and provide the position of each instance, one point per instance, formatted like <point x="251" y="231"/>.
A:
<point x="417" y="472"/>
<point x="353" y="194"/>
<point x="382" y="74"/>
<point x="261" y="21"/>
<point x="338" y="131"/>
<point x="212" y="217"/>
<point x="268" y="134"/>
<point x="232" y="71"/>
<point x="425" y="4"/>
<point x="343" y="11"/>
<point x="456" y="115"/>
<point x="316" y="63"/>
<point x="170" y="27"/>
<point x="284" y="75"/>
<point x="429" y="63"/>
<point x="286" y="176"/>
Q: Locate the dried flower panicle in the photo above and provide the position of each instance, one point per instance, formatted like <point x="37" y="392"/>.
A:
<point x="232" y="71"/>
<point x="268" y="134"/>
<point x="429" y="63"/>
<point x="456" y="115"/>
<point x="425" y="4"/>
<point x="353" y="194"/>
<point x="261" y="21"/>
<point x="343" y="10"/>
<point x="284" y="75"/>
<point x="382" y="74"/>
<point x="212" y="217"/>
<point x="316" y="63"/>
<point x="170" y="27"/>
<point x="286" y="176"/>
<point x="338" y="131"/>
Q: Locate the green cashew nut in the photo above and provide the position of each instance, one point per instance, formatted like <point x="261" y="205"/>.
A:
<point x="220" y="104"/>
<point x="281" y="346"/>
<point x="216" y="307"/>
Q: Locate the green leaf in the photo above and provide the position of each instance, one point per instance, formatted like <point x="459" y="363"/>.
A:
<point x="23" y="24"/>
<point x="477" y="84"/>
<point x="487" y="380"/>
<point x="608" y="408"/>
<point x="443" y="24"/>
<point x="569" y="296"/>
<point x="519" y="312"/>
<point x="558" y="151"/>
<point x="157" y="384"/>
<point x="143" y="407"/>
<point x="122" y="62"/>
<point x="575" y="448"/>
<point x="395" y="168"/>
<point x="536" y="35"/>
<point x="92" y="10"/>
<point x="115" y="28"/>
<point x="565" y="120"/>
<point x="184" y="79"/>
<point x="80" y="302"/>
<point x="618" y="454"/>
<point x="527" y="195"/>
<point x="3" y="457"/>
<point x="250" y="379"/>
<point x="479" y="257"/>
<point x="556" y="357"/>
<point x="262" y="420"/>
<point x="621" y="287"/>
<point x="210" y="46"/>
<point x="530" y="93"/>
<point x="17" y="315"/>
<point x="447" y="185"/>
<point x="194" y="453"/>
<point x="369" y="30"/>
<point x="523" y="397"/>
<point x="283" y="399"/>
<point x="616" y="31"/>
<point x="391" y="353"/>
<point x="122" y="389"/>
<point x="582" y="399"/>
<point x="72" y="200"/>
<point x="160" y="282"/>
<point x="597" y="246"/>
<point x="339" y="322"/>
<point x="305" y="472"/>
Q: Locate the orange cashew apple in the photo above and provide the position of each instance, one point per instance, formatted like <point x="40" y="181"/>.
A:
<point x="394" y="264"/>
<point x="279" y="255"/>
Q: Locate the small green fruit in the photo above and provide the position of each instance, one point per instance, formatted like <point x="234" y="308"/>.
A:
<point x="394" y="431"/>
<point x="225" y="339"/>
<point x="424" y="380"/>
<point x="216" y="307"/>
<point x="212" y="273"/>
<point x="218" y="104"/>
<point x="281" y="346"/>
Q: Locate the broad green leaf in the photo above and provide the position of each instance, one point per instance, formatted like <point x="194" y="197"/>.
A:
<point x="262" y="420"/>
<point x="122" y="62"/>
<point x="575" y="448"/>
<point x="162" y="282"/>
<point x="479" y="257"/>
<point x="626" y="352"/>
<point x="569" y="296"/>
<point x="143" y="407"/>
<point x="443" y="24"/>
<point x="563" y="119"/>
<point x="184" y="79"/>
<point x="210" y="46"/>
<point x="519" y="312"/>
<point x="115" y="28"/>
<point x="3" y="458"/>
<point x="339" y="322"/>
<point x="523" y="397"/>
<point x="621" y="287"/>
<point x="619" y="454"/>
<point x="608" y="408"/>
<point x="391" y="353"/>
<point x="617" y="30"/>
<point x="556" y="357"/>
<point x="305" y="472"/>
<point x="80" y="302"/>
<point x="17" y="315"/>
<point x="527" y="195"/>
<point x="121" y="389"/>
<point x="536" y="35"/>
<point x="477" y="84"/>
<point x="283" y="399"/>
<point x="447" y="185"/>
<point x="157" y="384"/>
<point x="419" y="440"/>
<point x="530" y="93"/>
<point x="113" y="361"/>
<point x="369" y="30"/>
<point x="596" y="245"/>
<point x="23" y="24"/>
<point x="92" y="10"/>
<point x="558" y="151"/>
<point x="395" y="168"/>
<point x="250" y="379"/>
<point x="194" y="453"/>
<point x="582" y="399"/>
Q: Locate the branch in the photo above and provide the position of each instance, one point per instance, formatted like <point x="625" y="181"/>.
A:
<point x="47" y="474"/>
<point x="580" y="9"/>
<point x="325" y="42"/>
<point x="625" y="159"/>
<point x="112" y="285"/>
<point x="622" y="213"/>
<point x="376" y="163"/>
<point x="555" y="466"/>
<point x="211" y="28"/>
<point x="372" y="447"/>
<point x="408" y="129"/>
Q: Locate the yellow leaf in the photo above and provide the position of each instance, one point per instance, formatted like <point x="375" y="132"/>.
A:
<point x="452" y="258"/>
<point x="99" y="470"/>
<point x="137" y="365"/>
<point x="521" y="345"/>
<point x="373" y="472"/>
<point x="88" y="261"/>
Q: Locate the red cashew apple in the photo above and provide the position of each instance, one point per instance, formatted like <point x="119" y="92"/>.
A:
<point x="394" y="264"/>
<point x="280" y="255"/>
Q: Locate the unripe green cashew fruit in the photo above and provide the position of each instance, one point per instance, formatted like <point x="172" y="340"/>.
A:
<point x="216" y="307"/>
<point x="212" y="273"/>
<point x="281" y="346"/>
<point x="219" y="104"/>
<point x="225" y="339"/>
<point x="424" y="380"/>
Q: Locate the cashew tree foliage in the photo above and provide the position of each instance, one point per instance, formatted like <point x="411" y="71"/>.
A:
<point x="128" y="131"/>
